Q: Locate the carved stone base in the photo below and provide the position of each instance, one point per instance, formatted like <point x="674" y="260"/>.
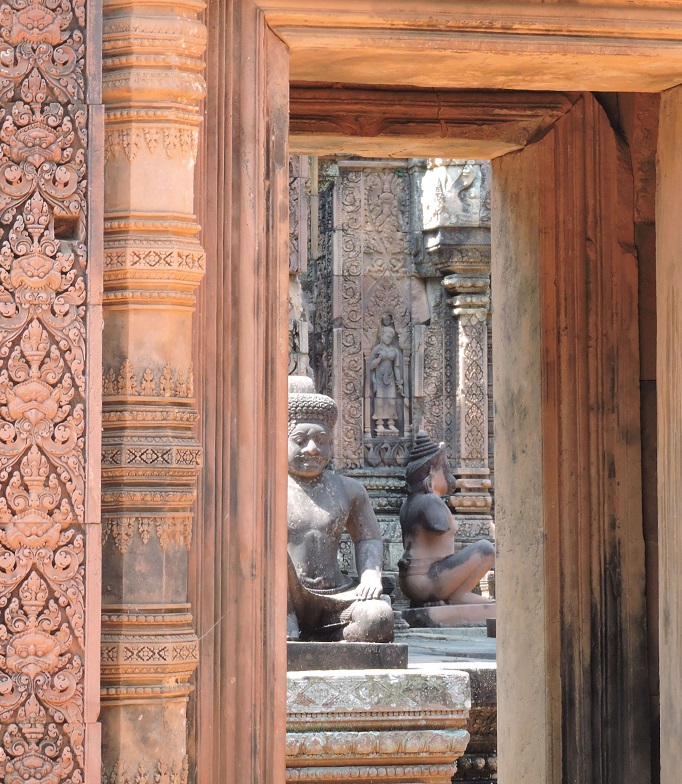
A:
<point x="371" y="726"/>
<point x="345" y="656"/>
<point x="479" y="764"/>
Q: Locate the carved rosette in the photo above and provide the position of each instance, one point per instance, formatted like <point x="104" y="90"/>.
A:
<point x="153" y="263"/>
<point x="43" y="439"/>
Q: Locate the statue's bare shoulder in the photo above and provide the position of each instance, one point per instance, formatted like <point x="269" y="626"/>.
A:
<point x="427" y="510"/>
<point x="362" y="522"/>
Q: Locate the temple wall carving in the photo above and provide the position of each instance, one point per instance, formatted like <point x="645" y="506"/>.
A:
<point x="394" y="300"/>
<point x="50" y="329"/>
<point x="153" y="263"/>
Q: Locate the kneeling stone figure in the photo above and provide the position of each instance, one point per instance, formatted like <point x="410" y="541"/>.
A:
<point x="323" y="603"/>
<point x="430" y="570"/>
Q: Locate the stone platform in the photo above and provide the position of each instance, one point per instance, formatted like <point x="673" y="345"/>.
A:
<point x="448" y="615"/>
<point x="434" y="646"/>
<point x="374" y="726"/>
<point x="345" y="656"/>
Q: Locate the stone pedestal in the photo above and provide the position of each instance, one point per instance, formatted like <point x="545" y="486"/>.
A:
<point x="374" y="726"/>
<point x="345" y="656"/>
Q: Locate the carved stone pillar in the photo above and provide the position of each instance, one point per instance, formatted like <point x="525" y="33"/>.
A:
<point x="153" y="263"/>
<point x="50" y="333"/>
<point x="457" y="241"/>
<point x="299" y="219"/>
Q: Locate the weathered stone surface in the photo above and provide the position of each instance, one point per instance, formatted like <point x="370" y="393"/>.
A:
<point x="376" y="698"/>
<point x="669" y="393"/>
<point x="431" y="569"/>
<point x="518" y="46"/>
<point x="559" y="45"/>
<point x="345" y="656"/>
<point x="449" y="615"/>
<point x="375" y="726"/>
<point x="418" y="124"/>
<point x="568" y="506"/>
<point x="323" y="602"/>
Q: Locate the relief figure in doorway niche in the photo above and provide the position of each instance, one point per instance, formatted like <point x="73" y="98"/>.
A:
<point x="323" y="602"/>
<point x="386" y="376"/>
<point x="430" y="570"/>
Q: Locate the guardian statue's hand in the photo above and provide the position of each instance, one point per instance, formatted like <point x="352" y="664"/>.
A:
<point x="370" y="586"/>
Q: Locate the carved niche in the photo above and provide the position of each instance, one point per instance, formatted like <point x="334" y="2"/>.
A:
<point x="43" y="255"/>
<point x="372" y="347"/>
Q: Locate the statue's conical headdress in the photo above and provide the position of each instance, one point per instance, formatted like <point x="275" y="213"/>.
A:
<point x="424" y="455"/>
<point x="306" y="405"/>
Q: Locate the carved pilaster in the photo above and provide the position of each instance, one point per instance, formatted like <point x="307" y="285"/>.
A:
<point x="299" y="233"/>
<point x="470" y="307"/>
<point x="457" y="243"/>
<point x="50" y="326"/>
<point x="153" y="61"/>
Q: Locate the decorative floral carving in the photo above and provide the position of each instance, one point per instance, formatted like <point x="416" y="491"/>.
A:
<point x="170" y="529"/>
<point x="130" y="140"/>
<point x="43" y="141"/>
<point x="474" y="391"/>
<point x="177" y="773"/>
<point x="42" y="50"/>
<point x="167" y="383"/>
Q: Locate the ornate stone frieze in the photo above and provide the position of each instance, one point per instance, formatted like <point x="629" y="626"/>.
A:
<point x="376" y="726"/>
<point x="333" y="698"/>
<point x="170" y="529"/>
<point x="158" y="772"/>
<point x="164" y="383"/>
<point x="43" y="441"/>
<point x="146" y="644"/>
<point x="370" y="300"/>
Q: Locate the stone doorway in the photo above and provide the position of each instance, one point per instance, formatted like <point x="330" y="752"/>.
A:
<point x="557" y="256"/>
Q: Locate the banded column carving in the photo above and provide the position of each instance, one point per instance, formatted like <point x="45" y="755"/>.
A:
<point x="153" y="83"/>
<point x="457" y="241"/>
<point x="50" y="328"/>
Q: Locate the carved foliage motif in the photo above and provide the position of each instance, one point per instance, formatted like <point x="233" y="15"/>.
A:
<point x="43" y="141"/>
<point x="172" y="140"/>
<point x="148" y="773"/>
<point x="474" y="391"/>
<point x="175" y="529"/>
<point x="167" y="383"/>
<point x="371" y="206"/>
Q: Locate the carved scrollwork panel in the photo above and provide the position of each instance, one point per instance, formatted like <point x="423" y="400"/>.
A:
<point x="43" y="146"/>
<point x="474" y="392"/>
